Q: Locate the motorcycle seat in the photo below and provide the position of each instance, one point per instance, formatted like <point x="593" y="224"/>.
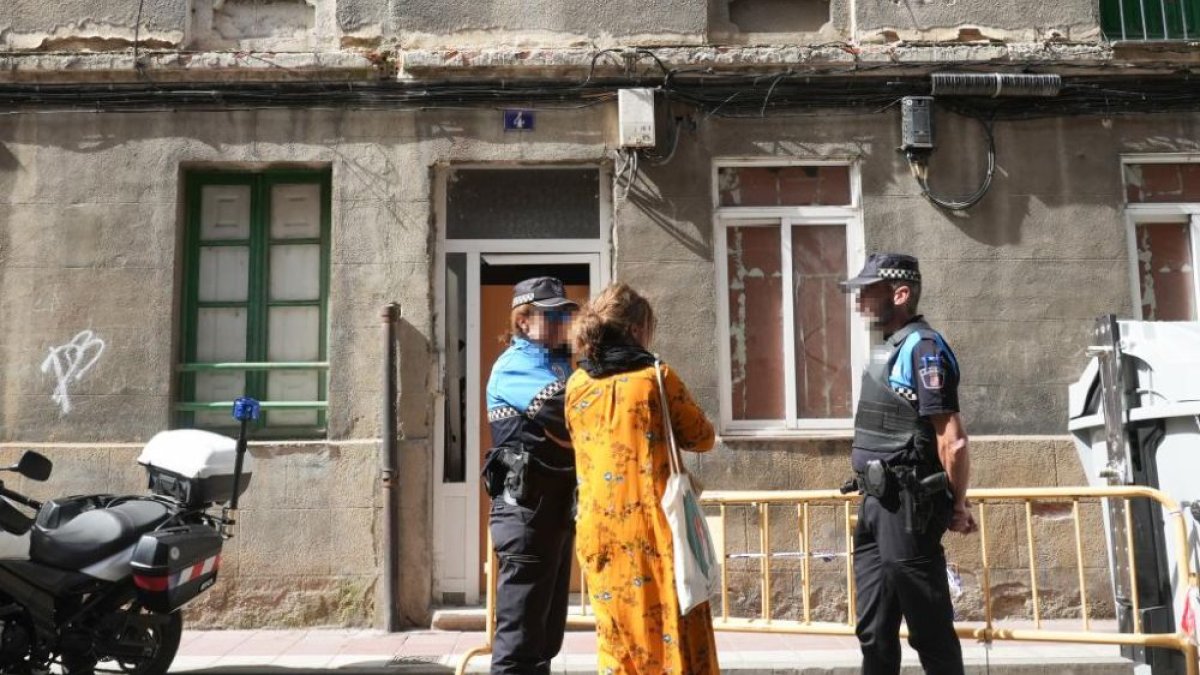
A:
<point x="95" y="535"/>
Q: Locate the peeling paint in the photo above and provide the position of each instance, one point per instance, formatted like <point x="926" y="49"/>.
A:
<point x="822" y="331"/>
<point x="737" y="324"/>
<point x="88" y="36"/>
<point x="755" y="288"/>
<point x="96" y="44"/>
<point x="283" y="20"/>
<point x="1165" y="277"/>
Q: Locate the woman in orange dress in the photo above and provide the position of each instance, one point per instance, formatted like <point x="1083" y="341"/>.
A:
<point x="621" y="454"/>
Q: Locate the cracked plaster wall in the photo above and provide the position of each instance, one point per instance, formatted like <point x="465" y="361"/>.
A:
<point x="551" y="22"/>
<point x="332" y="25"/>
<point x="959" y="20"/>
<point x="78" y="25"/>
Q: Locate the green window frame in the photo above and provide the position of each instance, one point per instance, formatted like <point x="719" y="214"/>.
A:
<point x="252" y="250"/>
<point x="1150" y="20"/>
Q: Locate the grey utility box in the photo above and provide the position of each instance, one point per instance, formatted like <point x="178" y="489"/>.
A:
<point x="1145" y="376"/>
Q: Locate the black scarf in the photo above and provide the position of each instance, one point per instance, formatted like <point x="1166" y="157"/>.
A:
<point x="613" y="358"/>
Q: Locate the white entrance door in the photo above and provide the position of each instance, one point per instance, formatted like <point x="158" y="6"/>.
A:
<point x="477" y="303"/>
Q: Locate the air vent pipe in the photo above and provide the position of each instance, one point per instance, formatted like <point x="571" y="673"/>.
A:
<point x="995" y="84"/>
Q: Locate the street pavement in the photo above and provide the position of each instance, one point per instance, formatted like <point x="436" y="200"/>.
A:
<point x="361" y="652"/>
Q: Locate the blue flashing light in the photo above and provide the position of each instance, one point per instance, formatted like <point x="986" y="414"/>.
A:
<point x="246" y="409"/>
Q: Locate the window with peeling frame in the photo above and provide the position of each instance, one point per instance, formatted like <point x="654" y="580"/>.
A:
<point x="1163" y="209"/>
<point x="255" y="299"/>
<point x="785" y="238"/>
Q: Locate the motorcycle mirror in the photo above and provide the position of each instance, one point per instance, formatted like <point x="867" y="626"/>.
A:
<point x="34" y="466"/>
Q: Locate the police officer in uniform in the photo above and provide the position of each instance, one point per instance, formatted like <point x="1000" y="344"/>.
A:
<point x="530" y="475"/>
<point x="910" y="461"/>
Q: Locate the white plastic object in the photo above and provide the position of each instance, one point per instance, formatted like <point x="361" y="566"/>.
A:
<point x="193" y="453"/>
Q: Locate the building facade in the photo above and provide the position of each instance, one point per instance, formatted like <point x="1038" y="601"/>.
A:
<point x="206" y="198"/>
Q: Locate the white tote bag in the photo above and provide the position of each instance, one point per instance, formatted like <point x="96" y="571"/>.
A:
<point x="697" y="570"/>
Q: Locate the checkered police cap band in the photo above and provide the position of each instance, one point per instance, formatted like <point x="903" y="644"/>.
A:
<point x="522" y="299"/>
<point x="894" y="274"/>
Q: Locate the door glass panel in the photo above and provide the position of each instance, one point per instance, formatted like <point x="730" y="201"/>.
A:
<point x="454" y="466"/>
<point x="294" y="334"/>
<point x="296" y="272"/>
<point x="224" y="212"/>
<point x="224" y="273"/>
<point x="523" y="204"/>
<point x="221" y="334"/>
<point x="293" y="385"/>
<point x="296" y="211"/>
<point x="218" y="386"/>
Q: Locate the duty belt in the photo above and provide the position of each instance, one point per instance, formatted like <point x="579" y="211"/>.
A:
<point x="883" y="481"/>
<point x="520" y="475"/>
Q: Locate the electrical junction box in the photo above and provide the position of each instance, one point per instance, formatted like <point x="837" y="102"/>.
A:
<point x="635" y="117"/>
<point x="916" y="123"/>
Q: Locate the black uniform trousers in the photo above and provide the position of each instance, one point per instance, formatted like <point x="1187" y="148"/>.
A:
<point x="896" y="575"/>
<point x="534" y="545"/>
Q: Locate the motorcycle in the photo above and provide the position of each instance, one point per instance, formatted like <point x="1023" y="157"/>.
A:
<point x="94" y="583"/>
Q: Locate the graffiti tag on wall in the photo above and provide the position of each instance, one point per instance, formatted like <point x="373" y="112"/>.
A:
<point x="69" y="363"/>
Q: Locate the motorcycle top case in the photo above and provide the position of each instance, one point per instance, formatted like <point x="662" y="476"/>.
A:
<point x="174" y="565"/>
<point x="193" y="466"/>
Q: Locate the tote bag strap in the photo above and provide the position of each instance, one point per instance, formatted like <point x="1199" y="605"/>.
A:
<point x="673" y="448"/>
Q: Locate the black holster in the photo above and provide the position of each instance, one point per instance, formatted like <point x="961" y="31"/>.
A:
<point x="919" y="495"/>
<point x="916" y="489"/>
<point x="507" y="470"/>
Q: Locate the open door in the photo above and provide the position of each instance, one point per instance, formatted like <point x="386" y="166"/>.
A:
<point x="478" y="306"/>
<point x="498" y="275"/>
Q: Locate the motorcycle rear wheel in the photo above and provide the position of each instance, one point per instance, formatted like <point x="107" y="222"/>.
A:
<point x="162" y="643"/>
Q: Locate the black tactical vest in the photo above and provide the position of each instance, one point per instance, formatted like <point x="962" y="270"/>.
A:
<point x="886" y="425"/>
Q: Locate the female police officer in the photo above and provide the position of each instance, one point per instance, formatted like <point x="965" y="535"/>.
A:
<point x="530" y="475"/>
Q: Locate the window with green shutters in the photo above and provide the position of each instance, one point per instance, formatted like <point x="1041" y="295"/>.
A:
<point x="255" y="298"/>
<point x="1150" y="20"/>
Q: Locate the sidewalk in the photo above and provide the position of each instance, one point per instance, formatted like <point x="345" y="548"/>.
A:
<point x="352" y="652"/>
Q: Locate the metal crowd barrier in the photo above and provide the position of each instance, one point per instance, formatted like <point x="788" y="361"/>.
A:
<point x="805" y="503"/>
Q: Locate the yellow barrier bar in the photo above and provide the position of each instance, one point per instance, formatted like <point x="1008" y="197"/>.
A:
<point x="1037" y="610"/>
<point x="724" y="568"/>
<point x="806" y="546"/>
<point x="762" y="499"/>
<point x="1083" y="603"/>
<point x="976" y="495"/>
<point x="987" y="566"/>
<point x="490" y="573"/>
<point x="1183" y="554"/>
<point x="851" y="615"/>
<point x="764" y="541"/>
<point x="1133" y="582"/>
<point x="1160" y="640"/>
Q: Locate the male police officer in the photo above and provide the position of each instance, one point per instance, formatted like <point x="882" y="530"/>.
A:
<point x="530" y="475"/>
<point x="910" y="459"/>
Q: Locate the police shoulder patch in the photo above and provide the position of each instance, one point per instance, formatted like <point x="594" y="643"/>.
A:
<point x="932" y="372"/>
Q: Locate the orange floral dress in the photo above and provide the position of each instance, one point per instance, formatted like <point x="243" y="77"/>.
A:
<point x="622" y="537"/>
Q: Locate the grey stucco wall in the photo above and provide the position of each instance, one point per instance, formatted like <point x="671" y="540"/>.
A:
<point x="89" y="240"/>
<point x="551" y="21"/>
<point x="90" y="227"/>
<point x="1015" y="283"/>
<point x="941" y="19"/>
<point x="336" y="25"/>
<point x="74" y="24"/>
